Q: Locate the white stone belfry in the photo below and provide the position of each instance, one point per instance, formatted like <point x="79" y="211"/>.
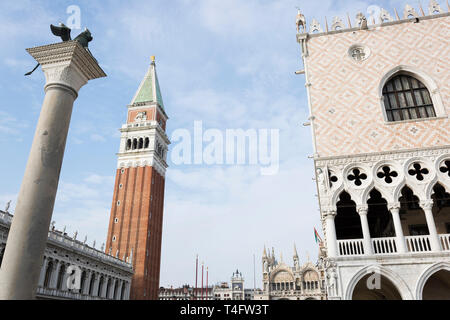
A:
<point x="67" y="67"/>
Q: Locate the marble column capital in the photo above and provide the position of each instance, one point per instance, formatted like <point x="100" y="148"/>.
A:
<point x="66" y="64"/>
<point x="426" y="204"/>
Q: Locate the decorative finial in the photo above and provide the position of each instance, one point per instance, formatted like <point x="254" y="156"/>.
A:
<point x="64" y="230"/>
<point x="315" y="27"/>
<point x="153" y="58"/>
<point x="409" y="11"/>
<point x="102" y="247"/>
<point x="337" y="24"/>
<point x="421" y="9"/>
<point x="361" y="21"/>
<point x="75" y="235"/>
<point x="300" y="22"/>
<point x="93" y="244"/>
<point x="349" y="21"/>
<point x="396" y="14"/>
<point x="385" y="16"/>
<point x="85" y="240"/>
<point x="434" y="7"/>
<point x="8" y="204"/>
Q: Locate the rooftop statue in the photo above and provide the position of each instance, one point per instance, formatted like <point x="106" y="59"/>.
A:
<point x="64" y="32"/>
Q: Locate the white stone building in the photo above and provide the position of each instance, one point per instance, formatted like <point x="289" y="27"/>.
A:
<point x="233" y="291"/>
<point x="186" y="293"/>
<point x="100" y="276"/>
<point x="282" y="282"/>
<point x="379" y="103"/>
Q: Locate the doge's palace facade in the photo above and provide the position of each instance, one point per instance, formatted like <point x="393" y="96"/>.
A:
<point x="379" y="103"/>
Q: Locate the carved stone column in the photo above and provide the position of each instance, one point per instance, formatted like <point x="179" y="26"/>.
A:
<point x="67" y="67"/>
<point x="331" y="233"/>
<point x="362" y="210"/>
<point x="55" y="274"/>
<point x="87" y="283"/>
<point x="427" y="207"/>
<point x="43" y="272"/>
<point x="119" y="291"/>
<point x="394" y="208"/>
<point x="96" y="284"/>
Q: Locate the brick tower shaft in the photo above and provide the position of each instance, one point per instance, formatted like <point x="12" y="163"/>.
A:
<point x="135" y="227"/>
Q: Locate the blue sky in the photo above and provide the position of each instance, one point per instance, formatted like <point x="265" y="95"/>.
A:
<point x="228" y="63"/>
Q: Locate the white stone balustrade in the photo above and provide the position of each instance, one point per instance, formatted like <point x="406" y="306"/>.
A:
<point x="445" y="241"/>
<point x="418" y="243"/>
<point x="384" y="245"/>
<point x="351" y="247"/>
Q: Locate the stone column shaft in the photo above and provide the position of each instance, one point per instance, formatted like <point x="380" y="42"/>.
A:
<point x="332" y="245"/>
<point x="67" y="67"/>
<point x="427" y="207"/>
<point x="55" y="274"/>
<point x="362" y="210"/>
<point x="43" y="272"/>
<point x="400" y="238"/>
<point x="87" y="283"/>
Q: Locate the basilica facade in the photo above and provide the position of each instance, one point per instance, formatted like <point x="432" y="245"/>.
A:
<point x="378" y="94"/>
<point x="283" y="282"/>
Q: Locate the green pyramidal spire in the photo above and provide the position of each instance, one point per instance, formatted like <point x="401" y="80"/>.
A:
<point x="149" y="90"/>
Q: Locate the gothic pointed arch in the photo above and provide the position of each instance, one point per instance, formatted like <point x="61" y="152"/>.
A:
<point x="347" y="220"/>
<point x="381" y="224"/>
<point x="441" y="212"/>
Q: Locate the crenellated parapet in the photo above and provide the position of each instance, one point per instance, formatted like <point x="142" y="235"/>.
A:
<point x="361" y="22"/>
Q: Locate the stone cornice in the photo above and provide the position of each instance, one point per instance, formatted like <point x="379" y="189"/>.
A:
<point x="382" y="156"/>
<point x="302" y="36"/>
<point x="69" y="52"/>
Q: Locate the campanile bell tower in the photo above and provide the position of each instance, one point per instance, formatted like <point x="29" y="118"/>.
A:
<point x="135" y="227"/>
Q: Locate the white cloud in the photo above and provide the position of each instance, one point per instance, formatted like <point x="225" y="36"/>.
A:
<point x="97" y="138"/>
<point x="97" y="179"/>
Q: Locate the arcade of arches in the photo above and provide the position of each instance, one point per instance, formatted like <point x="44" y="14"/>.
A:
<point x="415" y="217"/>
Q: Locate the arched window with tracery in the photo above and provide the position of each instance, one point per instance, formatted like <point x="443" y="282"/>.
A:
<point x="407" y="98"/>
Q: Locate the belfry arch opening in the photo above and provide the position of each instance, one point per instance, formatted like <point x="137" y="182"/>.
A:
<point x="347" y="221"/>
<point x="437" y="286"/>
<point x="380" y="220"/>
<point x="375" y="287"/>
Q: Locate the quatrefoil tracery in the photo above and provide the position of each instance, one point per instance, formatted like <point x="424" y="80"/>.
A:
<point x="357" y="177"/>
<point x="418" y="171"/>
<point x="387" y="174"/>
<point x="333" y="178"/>
<point x="445" y="167"/>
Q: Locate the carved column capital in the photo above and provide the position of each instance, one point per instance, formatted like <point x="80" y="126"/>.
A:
<point x="427" y="204"/>
<point x="329" y="213"/>
<point x="66" y="64"/>
<point x="362" y="209"/>
<point x="395" y="206"/>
